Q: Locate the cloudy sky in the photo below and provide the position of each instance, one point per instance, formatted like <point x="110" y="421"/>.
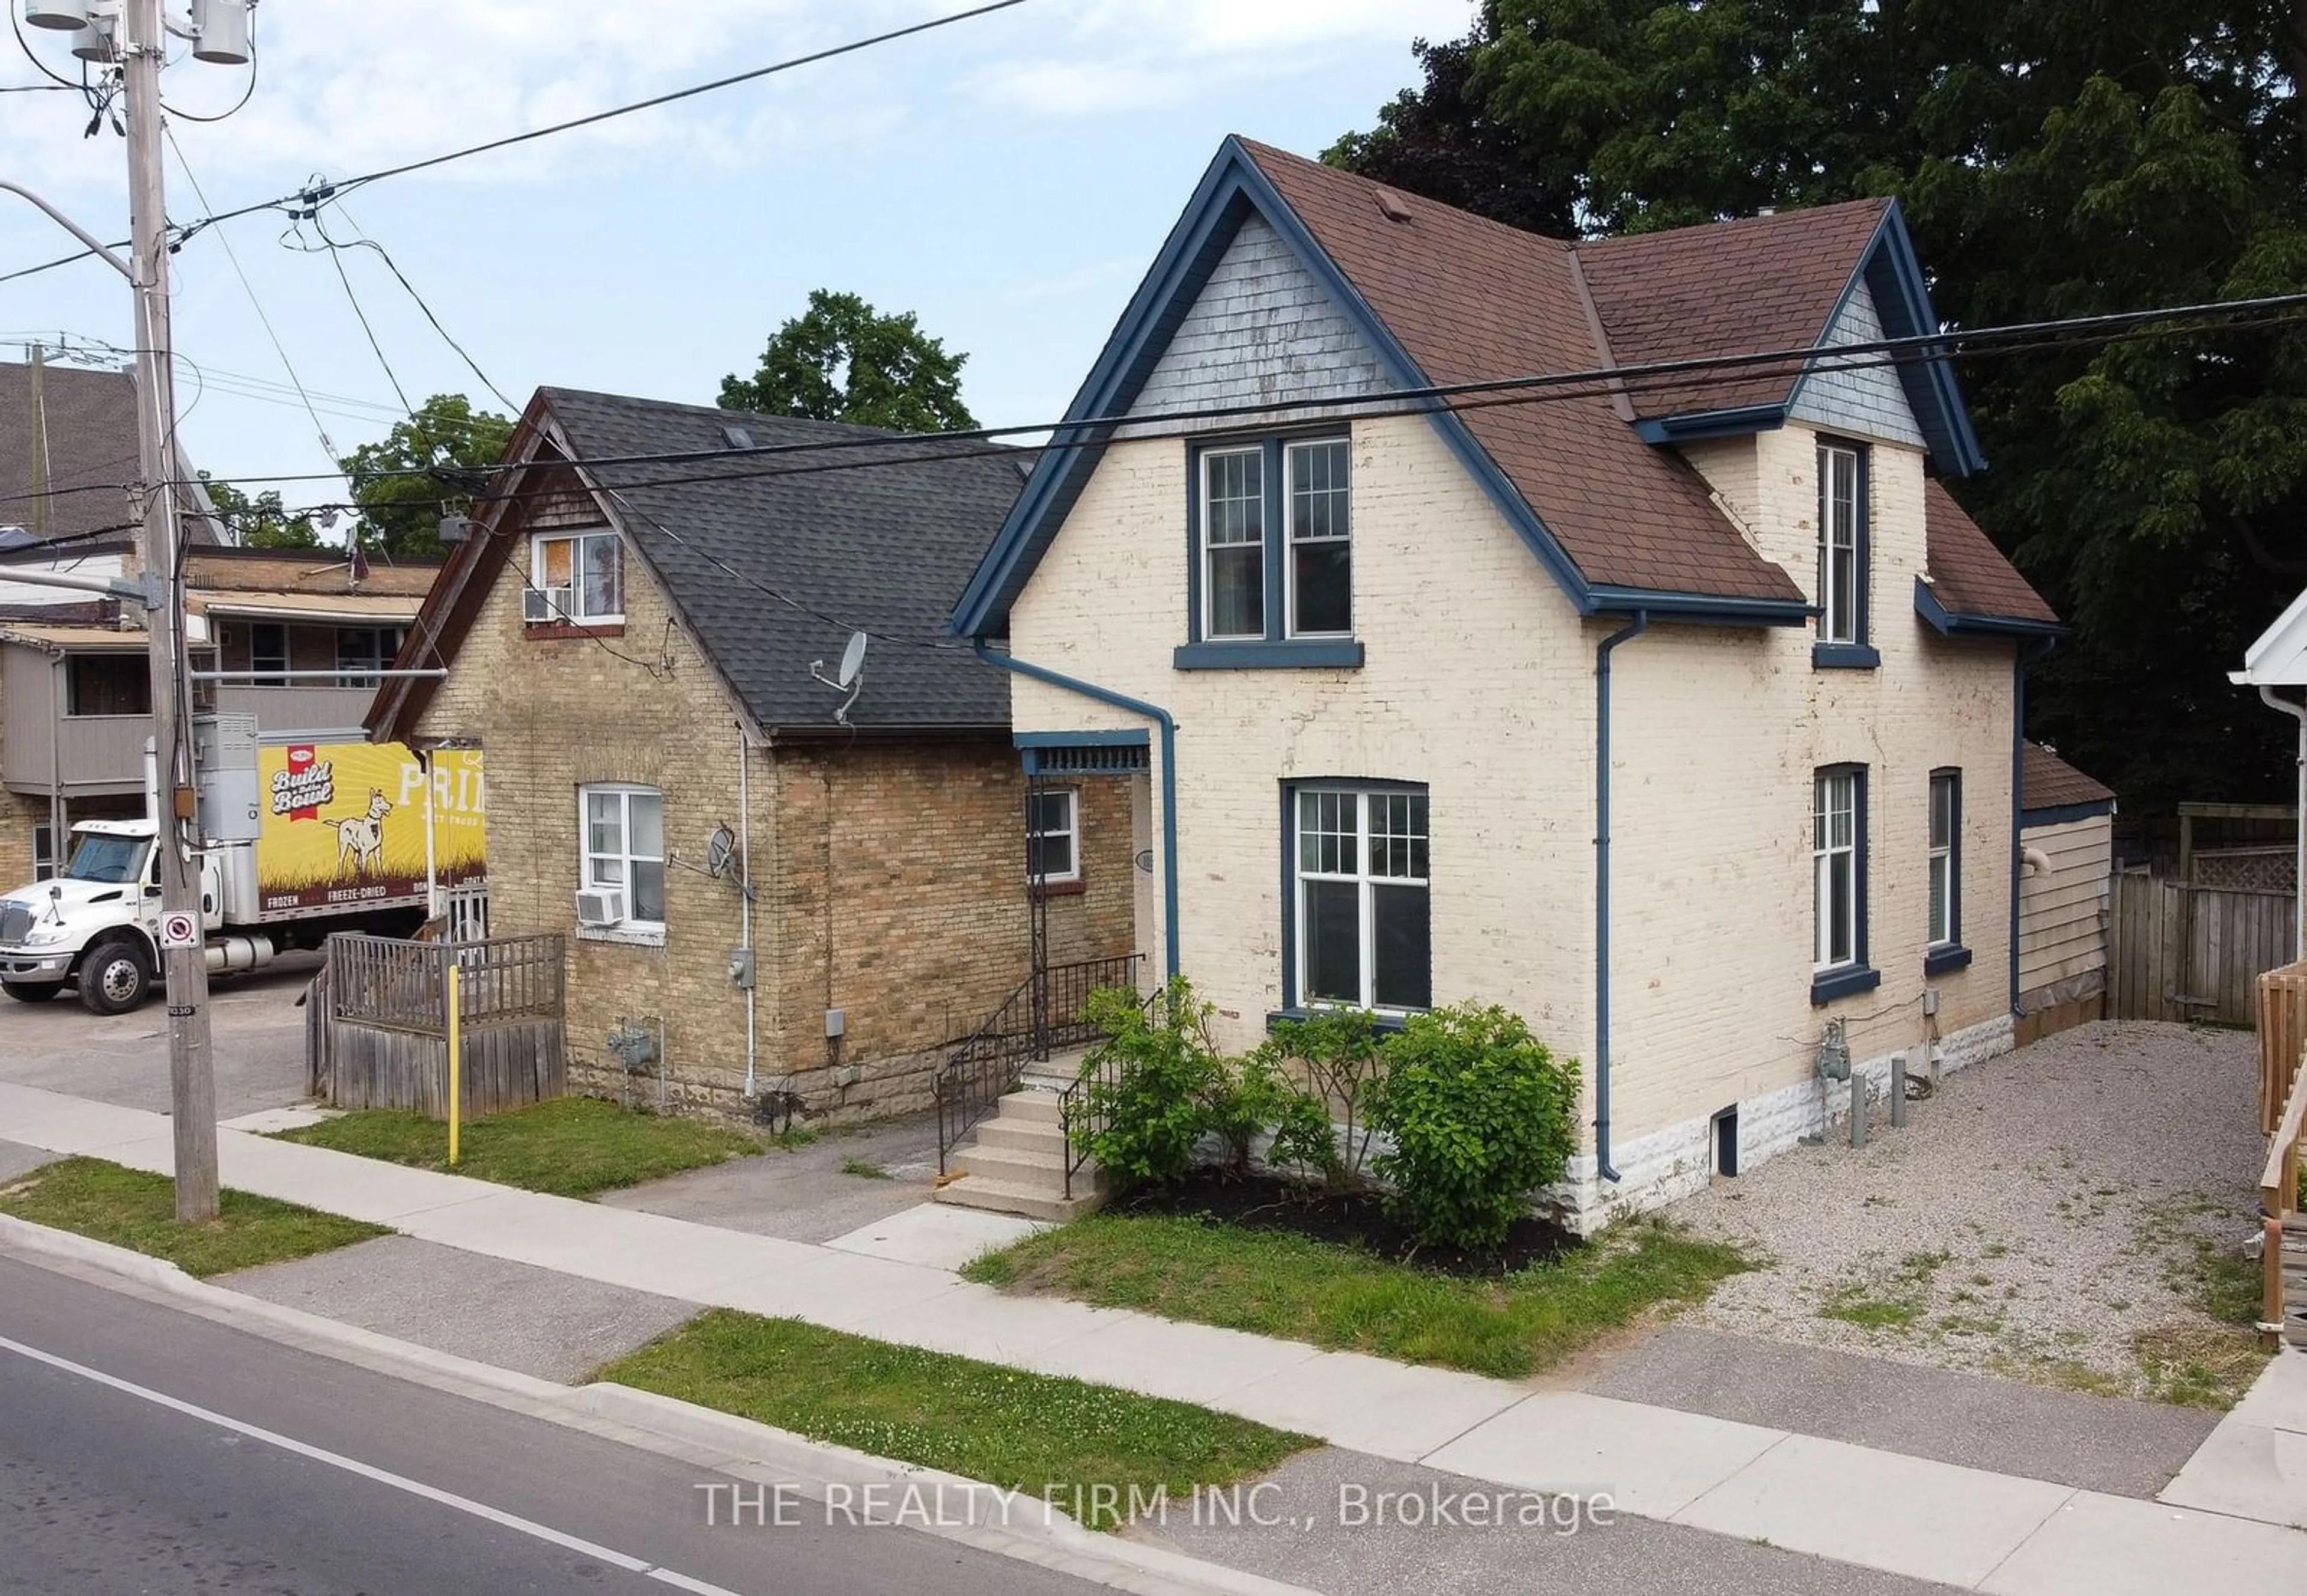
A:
<point x="1008" y="178"/>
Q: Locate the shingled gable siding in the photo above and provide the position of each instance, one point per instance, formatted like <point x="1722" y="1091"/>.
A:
<point x="913" y="881"/>
<point x="1261" y="329"/>
<point x="1866" y="403"/>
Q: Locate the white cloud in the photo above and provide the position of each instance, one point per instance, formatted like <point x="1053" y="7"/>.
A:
<point x="1114" y="56"/>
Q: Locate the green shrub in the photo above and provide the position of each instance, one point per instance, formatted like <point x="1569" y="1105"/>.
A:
<point x="1338" y="1049"/>
<point x="1481" y="1115"/>
<point x="1254" y="1095"/>
<point x="1150" y="1082"/>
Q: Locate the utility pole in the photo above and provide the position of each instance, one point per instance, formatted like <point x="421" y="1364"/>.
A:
<point x="191" y="1080"/>
<point x="38" y="357"/>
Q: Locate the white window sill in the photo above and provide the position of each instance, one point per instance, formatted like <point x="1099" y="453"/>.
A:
<point x="627" y="936"/>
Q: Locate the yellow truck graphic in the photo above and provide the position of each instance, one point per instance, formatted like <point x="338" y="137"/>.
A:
<point x="349" y="826"/>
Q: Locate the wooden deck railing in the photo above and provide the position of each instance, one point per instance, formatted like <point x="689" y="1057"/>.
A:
<point x="2282" y="1038"/>
<point x="2283" y="1308"/>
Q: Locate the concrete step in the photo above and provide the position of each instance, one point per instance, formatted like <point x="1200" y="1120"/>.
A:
<point x="1024" y="1136"/>
<point x="975" y="1191"/>
<point x="1013" y="1166"/>
<point x="1030" y="1103"/>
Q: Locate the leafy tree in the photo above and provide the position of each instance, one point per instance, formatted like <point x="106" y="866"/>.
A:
<point x="397" y="483"/>
<point x="262" y="522"/>
<point x="842" y="360"/>
<point x="2054" y="159"/>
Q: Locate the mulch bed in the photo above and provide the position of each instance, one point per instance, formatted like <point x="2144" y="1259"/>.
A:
<point x="1261" y="1202"/>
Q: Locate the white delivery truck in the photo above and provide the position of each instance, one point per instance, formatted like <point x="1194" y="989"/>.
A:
<point x="348" y="837"/>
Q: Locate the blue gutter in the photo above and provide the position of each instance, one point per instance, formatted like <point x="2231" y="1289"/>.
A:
<point x="2027" y="654"/>
<point x="1627" y="633"/>
<point x="1169" y="727"/>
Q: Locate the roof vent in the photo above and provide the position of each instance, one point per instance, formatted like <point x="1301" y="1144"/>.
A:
<point x="737" y="437"/>
<point x="1391" y="207"/>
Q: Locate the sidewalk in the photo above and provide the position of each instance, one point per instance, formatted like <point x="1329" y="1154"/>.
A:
<point x="1962" y="1526"/>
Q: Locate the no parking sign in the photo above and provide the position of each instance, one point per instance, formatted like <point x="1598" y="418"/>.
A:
<point x="180" y="930"/>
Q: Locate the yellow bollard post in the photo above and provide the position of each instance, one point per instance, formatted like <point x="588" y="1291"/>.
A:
<point x="455" y="1057"/>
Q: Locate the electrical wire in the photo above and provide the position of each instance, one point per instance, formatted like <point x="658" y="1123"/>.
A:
<point x="314" y="195"/>
<point x="246" y="94"/>
<point x="364" y="240"/>
<point x="60" y="81"/>
<point x="256" y="305"/>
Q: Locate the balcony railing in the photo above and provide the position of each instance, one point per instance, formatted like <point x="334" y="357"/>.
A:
<point x="315" y="707"/>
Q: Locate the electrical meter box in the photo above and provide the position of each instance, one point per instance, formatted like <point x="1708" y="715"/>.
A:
<point x="224" y="767"/>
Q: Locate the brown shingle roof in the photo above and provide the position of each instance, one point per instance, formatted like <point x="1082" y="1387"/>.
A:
<point x="1734" y="288"/>
<point x="1469" y="300"/>
<point x="2048" y="782"/>
<point x="1969" y="574"/>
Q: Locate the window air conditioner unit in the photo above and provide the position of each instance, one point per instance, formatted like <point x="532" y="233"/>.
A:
<point x="544" y="604"/>
<point x="600" y="906"/>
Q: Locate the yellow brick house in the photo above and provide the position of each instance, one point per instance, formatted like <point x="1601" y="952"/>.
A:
<point x="1675" y="708"/>
<point x="781" y="880"/>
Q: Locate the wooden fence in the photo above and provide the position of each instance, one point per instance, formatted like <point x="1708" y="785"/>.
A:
<point x="2179" y="952"/>
<point x="377" y="1023"/>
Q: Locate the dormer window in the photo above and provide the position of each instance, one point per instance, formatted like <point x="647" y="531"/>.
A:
<point x="1842" y="557"/>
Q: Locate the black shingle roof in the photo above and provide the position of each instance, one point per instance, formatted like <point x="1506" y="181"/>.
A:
<point x="881" y="539"/>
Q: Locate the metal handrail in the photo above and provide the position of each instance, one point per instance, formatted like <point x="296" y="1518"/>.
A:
<point x="1078" y="1118"/>
<point x="1043" y="1011"/>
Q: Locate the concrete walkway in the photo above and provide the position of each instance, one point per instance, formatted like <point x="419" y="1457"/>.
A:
<point x="1914" y="1516"/>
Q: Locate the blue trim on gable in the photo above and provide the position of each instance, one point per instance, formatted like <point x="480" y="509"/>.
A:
<point x="1712" y="423"/>
<point x="1946" y="622"/>
<point x="2059" y="814"/>
<point x="1137" y="738"/>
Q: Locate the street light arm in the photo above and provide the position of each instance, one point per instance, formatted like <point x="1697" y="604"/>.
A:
<point x="77" y="231"/>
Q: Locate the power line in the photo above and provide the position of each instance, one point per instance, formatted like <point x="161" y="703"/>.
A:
<point x="314" y="195"/>
<point x="392" y="266"/>
<point x="1680" y="374"/>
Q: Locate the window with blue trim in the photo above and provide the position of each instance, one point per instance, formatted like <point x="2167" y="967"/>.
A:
<point x="1844" y="557"/>
<point x="1273" y="556"/>
<point x="1360" y="923"/>
<point x="1945" y="950"/>
<point x="1838" y="855"/>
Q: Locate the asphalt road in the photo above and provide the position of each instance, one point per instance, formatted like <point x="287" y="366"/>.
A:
<point x="146" y="1450"/>
<point x="123" y="1059"/>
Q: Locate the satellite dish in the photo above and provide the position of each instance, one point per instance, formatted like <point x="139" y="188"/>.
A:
<point x="851" y="678"/>
<point x="720" y="851"/>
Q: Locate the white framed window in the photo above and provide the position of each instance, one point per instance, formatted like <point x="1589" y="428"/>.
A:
<point x="621" y="832"/>
<point x="1361" y="920"/>
<point x="44" y="852"/>
<point x="1053" y="837"/>
<point x="582" y="575"/>
<point x="1946" y="858"/>
<point x="1841" y="544"/>
<point x="1321" y="594"/>
<point x="1838" y="845"/>
<point x="268" y="654"/>
<point x="1233" y="544"/>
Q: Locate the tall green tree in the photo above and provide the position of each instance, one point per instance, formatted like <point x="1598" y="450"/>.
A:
<point x="842" y="360"/>
<point x="2055" y="158"/>
<point x="262" y="522"/>
<point x="399" y="483"/>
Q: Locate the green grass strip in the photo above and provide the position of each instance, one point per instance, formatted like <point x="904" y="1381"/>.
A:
<point x="572" y="1146"/>
<point x="1025" y="1432"/>
<point x="1274" y="1283"/>
<point x="130" y="1208"/>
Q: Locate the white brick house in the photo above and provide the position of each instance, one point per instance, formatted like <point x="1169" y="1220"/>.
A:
<point x="1566" y="702"/>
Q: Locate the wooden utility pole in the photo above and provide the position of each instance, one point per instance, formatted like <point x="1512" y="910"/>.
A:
<point x="39" y="358"/>
<point x="191" y="1065"/>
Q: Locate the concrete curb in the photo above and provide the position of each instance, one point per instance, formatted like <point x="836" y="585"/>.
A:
<point x="968" y="1511"/>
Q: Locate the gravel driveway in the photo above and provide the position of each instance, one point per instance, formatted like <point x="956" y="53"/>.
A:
<point x="2071" y="1213"/>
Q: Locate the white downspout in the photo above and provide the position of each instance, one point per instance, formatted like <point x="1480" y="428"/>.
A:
<point x="745" y="896"/>
<point x="2299" y="825"/>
